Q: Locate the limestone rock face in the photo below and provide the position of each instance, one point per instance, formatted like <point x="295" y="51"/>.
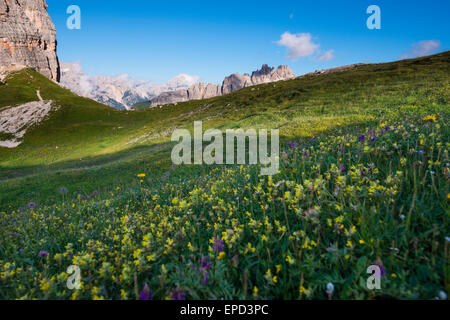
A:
<point x="202" y="90"/>
<point x="17" y="120"/>
<point x="282" y="73"/>
<point x="235" y="82"/>
<point x="230" y="84"/>
<point x="212" y="90"/>
<point x="28" y="37"/>
<point x="197" y="91"/>
<point x="171" y="97"/>
<point x="264" y="75"/>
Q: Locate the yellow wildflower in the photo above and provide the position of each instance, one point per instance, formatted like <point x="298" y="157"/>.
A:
<point x="278" y="268"/>
<point x="430" y="118"/>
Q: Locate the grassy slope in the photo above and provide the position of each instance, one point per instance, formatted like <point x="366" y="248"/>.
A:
<point x="89" y="146"/>
<point x="339" y="204"/>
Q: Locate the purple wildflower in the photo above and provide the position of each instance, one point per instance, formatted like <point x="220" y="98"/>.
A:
<point x="42" y="253"/>
<point x="342" y="168"/>
<point x="218" y="245"/>
<point x="31" y="205"/>
<point x="204" y="263"/>
<point x="292" y="145"/>
<point x="362" y="138"/>
<point x="146" y="293"/>
<point x="205" y="277"/>
<point x="178" y="294"/>
<point x="379" y="263"/>
<point x="305" y="154"/>
<point x="204" y="266"/>
<point x="63" y="190"/>
<point x="383" y="271"/>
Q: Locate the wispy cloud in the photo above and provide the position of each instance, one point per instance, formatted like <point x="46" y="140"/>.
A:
<point x="299" y="45"/>
<point x="421" y="49"/>
<point x="327" y="56"/>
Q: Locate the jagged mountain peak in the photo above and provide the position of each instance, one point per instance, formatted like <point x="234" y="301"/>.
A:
<point x="230" y="84"/>
<point x="121" y="91"/>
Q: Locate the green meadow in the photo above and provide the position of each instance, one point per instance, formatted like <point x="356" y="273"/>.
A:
<point x="364" y="180"/>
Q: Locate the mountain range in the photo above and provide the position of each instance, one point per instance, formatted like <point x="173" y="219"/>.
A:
<point x="124" y="92"/>
<point x="28" y="39"/>
<point x="120" y="92"/>
<point x="230" y="84"/>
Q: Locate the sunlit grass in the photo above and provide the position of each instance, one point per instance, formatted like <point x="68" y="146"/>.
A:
<point x="95" y="187"/>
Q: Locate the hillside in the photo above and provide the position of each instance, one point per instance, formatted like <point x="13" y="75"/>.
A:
<point x="83" y="140"/>
<point x="364" y="181"/>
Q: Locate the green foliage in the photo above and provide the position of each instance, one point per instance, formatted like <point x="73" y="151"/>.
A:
<point x="93" y="146"/>
<point x="372" y="187"/>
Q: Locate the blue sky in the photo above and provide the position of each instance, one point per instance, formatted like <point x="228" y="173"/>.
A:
<point x="157" y="40"/>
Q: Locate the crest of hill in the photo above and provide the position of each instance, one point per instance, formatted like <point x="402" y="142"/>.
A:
<point x="83" y="122"/>
<point x="82" y="140"/>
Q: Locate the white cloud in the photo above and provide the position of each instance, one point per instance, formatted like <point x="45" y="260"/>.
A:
<point x="327" y="56"/>
<point x="291" y="16"/>
<point x="299" y="45"/>
<point x="421" y="49"/>
<point x="182" y="80"/>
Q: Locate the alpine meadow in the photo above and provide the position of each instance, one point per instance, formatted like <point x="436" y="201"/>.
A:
<point x="91" y="191"/>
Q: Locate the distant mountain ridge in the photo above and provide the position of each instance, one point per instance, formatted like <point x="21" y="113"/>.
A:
<point x="120" y="92"/>
<point x="123" y="92"/>
<point x="34" y="109"/>
<point x="230" y="84"/>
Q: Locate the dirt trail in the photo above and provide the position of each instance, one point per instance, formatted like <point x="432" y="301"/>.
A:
<point x="38" y="93"/>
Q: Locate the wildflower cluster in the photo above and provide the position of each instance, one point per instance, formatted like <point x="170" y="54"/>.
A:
<point x="340" y="204"/>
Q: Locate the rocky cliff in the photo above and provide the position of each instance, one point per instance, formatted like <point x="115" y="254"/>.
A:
<point x="230" y="84"/>
<point x="28" y="37"/>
